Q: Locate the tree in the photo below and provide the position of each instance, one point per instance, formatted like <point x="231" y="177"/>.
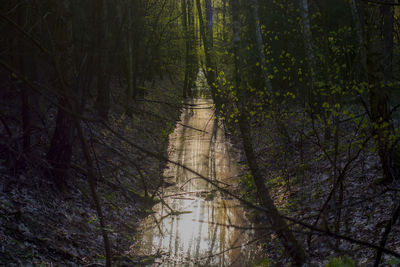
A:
<point x="103" y="90"/>
<point x="60" y="151"/>
<point x="378" y="66"/>
<point x="206" y="34"/>
<point x="277" y="223"/>
<point x="308" y="44"/>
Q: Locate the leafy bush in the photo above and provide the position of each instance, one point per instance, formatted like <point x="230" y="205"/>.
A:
<point x="341" y="262"/>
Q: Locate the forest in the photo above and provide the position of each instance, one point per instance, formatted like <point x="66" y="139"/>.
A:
<point x="200" y="133"/>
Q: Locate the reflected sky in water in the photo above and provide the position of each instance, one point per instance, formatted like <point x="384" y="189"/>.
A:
<point x="196" y="225"/>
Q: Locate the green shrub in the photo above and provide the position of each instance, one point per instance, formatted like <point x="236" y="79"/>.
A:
<point x="341" y="262"/>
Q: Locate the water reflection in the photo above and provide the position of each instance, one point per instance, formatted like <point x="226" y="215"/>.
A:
<point x="195" y="225"/>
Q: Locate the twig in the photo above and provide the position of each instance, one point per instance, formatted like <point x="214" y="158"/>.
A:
<point x="30" y="37"/>
<point x="382" y="3"/>
<point x="248" y="203"/>
<point x="385" y="235"/>
<point x="93" y="192"/>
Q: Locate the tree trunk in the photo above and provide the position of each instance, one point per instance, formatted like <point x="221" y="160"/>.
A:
<point x="382" y="124"/>
<point x="23" y="62"/>
<point x="308" y="44"/>
<point x="358" y="15"/>
<point x="262" y="58"/>
<point x="130" y="75"/>
<point x="193" y="54"/>
<point x="260" y="46"/>
<point x="187" y="44"/>
<point x="388" y="16"/>
<point x="277" y="223"/>
<point x="290" y="243"/>
<point x="96" y="200"/>
<point x="103" y="90"/>
<point x="60" y="151"/>
<point x="207" y="36"/>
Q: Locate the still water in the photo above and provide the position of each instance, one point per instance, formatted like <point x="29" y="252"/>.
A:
<point x="195" y="225"/>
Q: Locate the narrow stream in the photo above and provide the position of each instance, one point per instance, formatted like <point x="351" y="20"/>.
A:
<point x="195" y="225"/>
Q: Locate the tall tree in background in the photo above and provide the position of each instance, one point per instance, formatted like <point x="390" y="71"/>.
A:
<point x="206" y="33"/>
<point x="308" y="44"/>
<point x="379" y="38"/>
<point x="357" y="11"/>
<point x="25" y="63"/>
<point x="188" y="28"/>
<point x="193" y="60"/>
<point x="103" y="90"/>
<point x="60" y="151"/>
<point x="388" y="28"/>
<point x="131" y="90"/>
<point x="275" y="221"/>
<point x="260" y="45"/>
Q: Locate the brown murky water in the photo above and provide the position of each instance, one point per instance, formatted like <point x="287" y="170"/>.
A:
<point x="196" y="225"/>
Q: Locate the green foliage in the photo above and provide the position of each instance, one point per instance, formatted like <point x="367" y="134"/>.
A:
<point x="210" y="196"/>
<point x="93" y="219"/>
<point x="247" y="186"/>
<point x="394" y="262"/>
<point x="262" y="263"/>
<point x="344" y="261"/>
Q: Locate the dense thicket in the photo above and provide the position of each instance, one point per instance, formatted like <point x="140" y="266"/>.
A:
<point x="70" y="54"/>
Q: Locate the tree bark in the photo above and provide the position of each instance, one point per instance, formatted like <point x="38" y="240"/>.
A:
<point x="130" y="61"/>
<point x="60" y="151"/>
<point x="24" y="60"/>
<point x="193" y="54"/>
<point x="358" y="15"/>
<point x="187" y="45"/>
<point x="103" y="90"/>
<point x="308" y="44"/>
<point x="388" y="16"/>
<point x="386" y="233"/>
<point x="382" y="124"/>
<point x="260" y="46"/>
<point x="277" y="223"/>
<point x="92" y="186"/>
<point x="207" y="37"/>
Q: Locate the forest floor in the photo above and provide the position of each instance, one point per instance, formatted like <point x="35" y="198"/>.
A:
<point x="41" y="226"/>
<point x="300" y="178"/>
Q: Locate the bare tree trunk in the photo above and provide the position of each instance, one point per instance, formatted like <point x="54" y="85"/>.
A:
<point x="207" y="36"/>
<point x="388" y="16"/>
<point x="103" y="90"/>
<point x="358" y="15"/>
<point x="382" y="123"/>
<point x="193" y="52"/>
<point x="92" y="186"/>
<point x="386" y="233"/>
<point x="308" y="44"/>
<point x="26" y="120"/>
<point x="224" y="24"/>
<point x="261" y="53"/>
<point x="187" y="44"/>
<point x="262" y="57"/>
<point x="60" y="151"/>
<point x="22" y="61"/>
<point x="277" y="223"/>
<point x="130" y="75"/>
<point x="288" y="240"/>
